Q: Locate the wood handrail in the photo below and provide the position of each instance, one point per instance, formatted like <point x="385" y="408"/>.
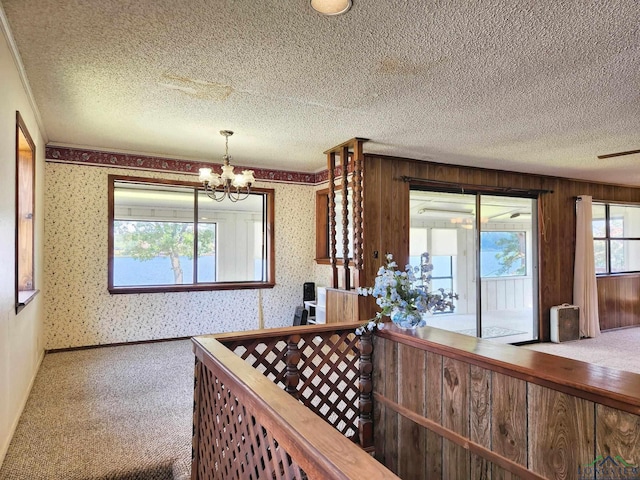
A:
<point x="607" y="386"/>
<point x="319" y="449"/>
<point x="282" y="332"/>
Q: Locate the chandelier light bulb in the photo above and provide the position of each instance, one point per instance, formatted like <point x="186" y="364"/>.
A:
<point x="234" y="187"/>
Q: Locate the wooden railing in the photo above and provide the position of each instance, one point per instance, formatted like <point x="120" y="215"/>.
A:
<point x="281" y="403"/>
<point x="450" y="406"/>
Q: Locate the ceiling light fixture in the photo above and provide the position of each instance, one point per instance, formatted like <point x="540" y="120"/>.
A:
<point x="227" y="184"/>
<point x="331" y="7"/>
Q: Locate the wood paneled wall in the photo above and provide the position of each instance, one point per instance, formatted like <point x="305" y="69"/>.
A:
<point x="386" y="229"/>
<point x="443" y="413"/>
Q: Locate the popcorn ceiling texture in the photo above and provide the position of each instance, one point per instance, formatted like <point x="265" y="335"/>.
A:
<point x="79" y="309"/>
<point x="538" y="86"/>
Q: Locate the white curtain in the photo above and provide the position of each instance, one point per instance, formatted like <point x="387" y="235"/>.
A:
<point x="585" y="289"/>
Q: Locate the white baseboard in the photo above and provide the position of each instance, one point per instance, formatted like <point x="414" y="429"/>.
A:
<point x="4" y="448"/>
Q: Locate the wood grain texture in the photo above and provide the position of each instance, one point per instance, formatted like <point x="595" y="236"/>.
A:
<point x="342" y="306"/>
<point x="391" y="382"/>
<point x="617" y="433"/>
<point x="561" y="432"/>
<point x="386" y="229"/>
<point x="618" y="304"/>
<point x="455" y="416"/>
<point x="319" y="449"/>
<point x="480" y="418"/>
<point x="608" y="386"/>
<point x="433" y="405"/>
<point x="509" y="421"/>
<point x="379" y="411"/>
<point x="411" y="394"/>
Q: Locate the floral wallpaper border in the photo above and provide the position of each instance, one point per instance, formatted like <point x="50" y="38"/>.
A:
<point x="142" y="162"/>
<point x="161" y="164"/>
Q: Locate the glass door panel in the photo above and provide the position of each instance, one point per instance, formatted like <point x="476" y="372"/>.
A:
<point x="507" y="269"/>
<point x="492" y="270"/>
<point x="443" y="224"/>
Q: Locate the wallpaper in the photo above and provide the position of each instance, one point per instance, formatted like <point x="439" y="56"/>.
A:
<point x="80" y="310"/>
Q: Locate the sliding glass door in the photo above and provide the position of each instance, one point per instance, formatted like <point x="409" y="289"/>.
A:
<point x="483" y="248"/>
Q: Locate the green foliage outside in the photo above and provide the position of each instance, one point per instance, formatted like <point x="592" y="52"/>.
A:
<point x="148" y="240"/>
<point x="511" y="254"/>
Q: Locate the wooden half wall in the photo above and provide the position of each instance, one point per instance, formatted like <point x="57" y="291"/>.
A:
<point x="386" y="229"/>
<point x="449" y="406"/>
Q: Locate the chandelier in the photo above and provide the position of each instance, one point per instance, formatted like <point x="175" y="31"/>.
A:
<point x="229" y="185"/>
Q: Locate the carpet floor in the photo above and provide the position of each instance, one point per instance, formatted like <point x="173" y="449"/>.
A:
<point x="107" y="413"/>
<point x="616" y="349"/>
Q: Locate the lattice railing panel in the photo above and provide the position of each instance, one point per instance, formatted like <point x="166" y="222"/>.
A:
<point x="328" y="369"/>
<point x="232" y="444"/>
<point x="266" y="356"/>
<point x="329" y="378"/>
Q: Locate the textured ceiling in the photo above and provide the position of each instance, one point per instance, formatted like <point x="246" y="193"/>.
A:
<point x="539" y="86"/>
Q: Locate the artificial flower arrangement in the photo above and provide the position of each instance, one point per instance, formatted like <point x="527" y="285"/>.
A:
<point x="405" y="297"/>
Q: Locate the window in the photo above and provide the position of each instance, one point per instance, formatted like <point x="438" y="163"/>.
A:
<point x="503" y="254"/>
<point x="25" y="215"/>
<point x="170" y="236"/>
<point x="616" y="238"/>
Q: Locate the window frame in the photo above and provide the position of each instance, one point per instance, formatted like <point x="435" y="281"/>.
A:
<point x="269" y="237"/>
<point x="25" y="202"/>
<point x="608" y="238"/>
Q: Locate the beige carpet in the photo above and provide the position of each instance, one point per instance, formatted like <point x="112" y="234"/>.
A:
<point x="107" y="413"/>
<point x="615" y="349"/>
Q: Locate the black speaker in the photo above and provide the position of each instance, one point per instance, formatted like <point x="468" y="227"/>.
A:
<point x="308" y="291"/>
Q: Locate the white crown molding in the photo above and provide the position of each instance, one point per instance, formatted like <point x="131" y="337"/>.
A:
<point x="6" y="30"/>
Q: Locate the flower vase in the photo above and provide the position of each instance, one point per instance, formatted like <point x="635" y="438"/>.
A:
<point x="407" y="318"/>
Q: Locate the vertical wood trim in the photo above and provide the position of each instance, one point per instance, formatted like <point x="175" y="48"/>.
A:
<point x="292" y="375"/>
<point x="434" y="412"/>
<point x="333" y="252"/>
<point x="344" y="159"/>
<point x="365" y="424"/>
<point x="455" y="416"/>
<point x="480" y="419"/>
<point x="378" y="376"/>
<point x="509" y="421"/>
<point x="391" y="391"/>
<point x="357" y="206"/>
<point x="412" y="363"/>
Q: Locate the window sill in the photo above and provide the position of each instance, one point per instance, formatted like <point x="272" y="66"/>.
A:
<point x="191" y="288"/>
<point x="25" y="297"/>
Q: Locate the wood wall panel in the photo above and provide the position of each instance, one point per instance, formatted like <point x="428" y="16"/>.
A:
<point x="546" y="431"/>
<point x="480" y="419"/>
<point x="392" y="382"/>
<point x="561" y="432"/>
<point x="455" y="416"/>
<point x="412" y="364"/>
<point x="618" y="433"/>
<point x="509" y="421"/>
<point x="618" y="304"/>
<point x="342" y="306"/>
<point x="378" y="376"/>
<point x="386" y="225"/>
<point x="434" y="412"/>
